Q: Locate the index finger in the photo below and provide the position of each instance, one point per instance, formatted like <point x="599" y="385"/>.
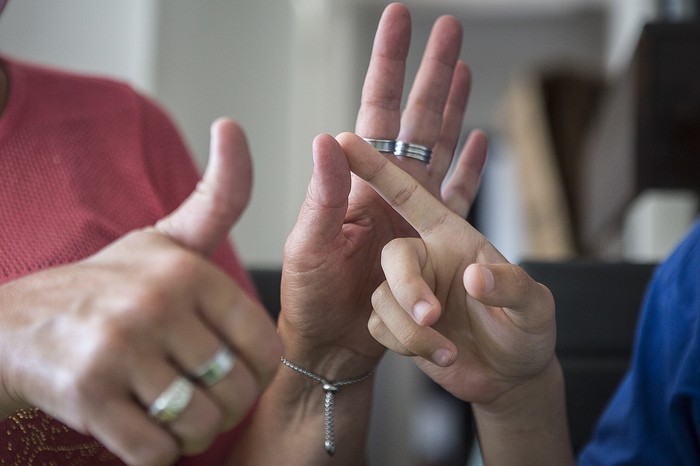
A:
<point x="405" y="195"/>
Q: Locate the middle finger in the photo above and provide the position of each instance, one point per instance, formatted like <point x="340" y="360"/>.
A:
<point x="196" y="348"/>
<point x="421" y="121"/>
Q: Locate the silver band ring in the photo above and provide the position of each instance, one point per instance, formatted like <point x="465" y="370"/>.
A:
<point x="216" y="368"/>
<point x="172" y="401"/>
<point x="382" y="145"/>
<point x="413" y="151"/>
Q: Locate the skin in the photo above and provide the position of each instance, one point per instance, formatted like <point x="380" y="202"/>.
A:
<point x="331" y="265"/>
<point x="93" y="343"/>
<point x="130" y="315"/>
<point x="451" y="293"/>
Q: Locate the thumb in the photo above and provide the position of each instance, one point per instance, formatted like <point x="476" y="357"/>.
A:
<point x="204" y="219"/>
<point x="323" y="212"/>
<point x="509" y="287"/>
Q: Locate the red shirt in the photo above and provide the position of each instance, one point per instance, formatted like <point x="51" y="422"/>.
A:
<point x="83" y="160"/>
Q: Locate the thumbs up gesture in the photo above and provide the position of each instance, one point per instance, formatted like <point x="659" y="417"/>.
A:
<point x="146" y="345"/>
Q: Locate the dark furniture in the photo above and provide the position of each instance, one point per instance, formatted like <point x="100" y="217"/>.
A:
<point x="597" y="308"/>
<point x="267" y="282"/>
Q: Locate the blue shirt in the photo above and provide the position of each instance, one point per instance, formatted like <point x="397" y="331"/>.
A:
<point x="654" y="417"/>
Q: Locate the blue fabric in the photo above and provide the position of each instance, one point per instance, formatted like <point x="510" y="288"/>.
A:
<point x="654" y="417"/>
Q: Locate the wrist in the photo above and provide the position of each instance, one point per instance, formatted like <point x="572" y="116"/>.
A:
<point x="330" y="389"/>
<point x="331" y="360"/>
<point x="528" y="395"/>
<point x="530" y="419"/>
<point x="300" y="437"/>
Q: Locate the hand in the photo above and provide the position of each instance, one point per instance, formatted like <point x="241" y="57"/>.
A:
<point x="95" y="342"/>
<point x="476" y="324"/>
<point x="331" y="264"/>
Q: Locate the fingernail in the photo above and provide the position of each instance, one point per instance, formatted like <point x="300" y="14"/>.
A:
<point x="420" y="310"/>
<point x="442" y="357"/>
<point x="487" y="279"/>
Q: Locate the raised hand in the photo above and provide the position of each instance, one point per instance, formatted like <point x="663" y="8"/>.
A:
<point x="331" y="262"/>
<point x="96" y="342"/>
<point x="476" y="324"/>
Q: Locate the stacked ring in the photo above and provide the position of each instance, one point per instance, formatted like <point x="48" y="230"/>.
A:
<point x="215" y="369"/>
<point x="172" y="401"/>
<point x="413" y="151"/>
<point x="382" y="145"/>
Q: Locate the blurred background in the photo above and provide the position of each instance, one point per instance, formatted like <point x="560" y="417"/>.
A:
<point x="571" y="93"/>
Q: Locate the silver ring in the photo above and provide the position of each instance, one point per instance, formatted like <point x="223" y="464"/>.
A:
<point x="382" y="145"/>
<point x="216" y="368"/>
<point x="413" y="151"/>
<point x="172" y="401"/>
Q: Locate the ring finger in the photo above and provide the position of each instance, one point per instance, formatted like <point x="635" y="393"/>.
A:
<point x="422" y="120"/>
<point x="228" y="381"/>
<point x="185" y="411"/>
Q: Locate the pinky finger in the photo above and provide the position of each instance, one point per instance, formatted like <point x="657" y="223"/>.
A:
<point x="383" y="335"/>
<point x="460" y="191"/>
<point x="126" y="430"/>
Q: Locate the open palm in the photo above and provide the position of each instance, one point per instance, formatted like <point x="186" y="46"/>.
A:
<point x="331" y="262"/>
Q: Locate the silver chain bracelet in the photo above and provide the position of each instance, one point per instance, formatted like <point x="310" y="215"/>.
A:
<point x="329" y="388"/>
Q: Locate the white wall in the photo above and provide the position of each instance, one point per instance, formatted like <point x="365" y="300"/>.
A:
<point x="627" y="17"/>
<point x="95" y="36"/>
<point x="286" y="70"/>
<point x="234" y="58"/>
<point x="200" y="60"/>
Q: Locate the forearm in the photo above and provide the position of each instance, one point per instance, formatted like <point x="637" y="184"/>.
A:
<point x="287" y="426"/>
<point x="529" y="427"/>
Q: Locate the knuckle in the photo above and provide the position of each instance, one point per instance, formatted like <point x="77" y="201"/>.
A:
<point x="380" y="332"/>
<point x="438" y="224"/>
<point x="101" y="346"/>
<point x="393" y="247"/>
<point x="149" y="305"/>
<point x="376" y="327"/>
<point x="142" y="306"/>
<point x="405" y="283"/>
<point x="409" y="337"/>
<point x="380" y="296"/>
<point x="389" y="102"/>
<point x="522" y="282"/>
<point x="178" y="264"/>
<point x="83" y="393"/>
<point x="88" y="378"/>
<point x="136" y="296"/>
<point x="404" y="194"/>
